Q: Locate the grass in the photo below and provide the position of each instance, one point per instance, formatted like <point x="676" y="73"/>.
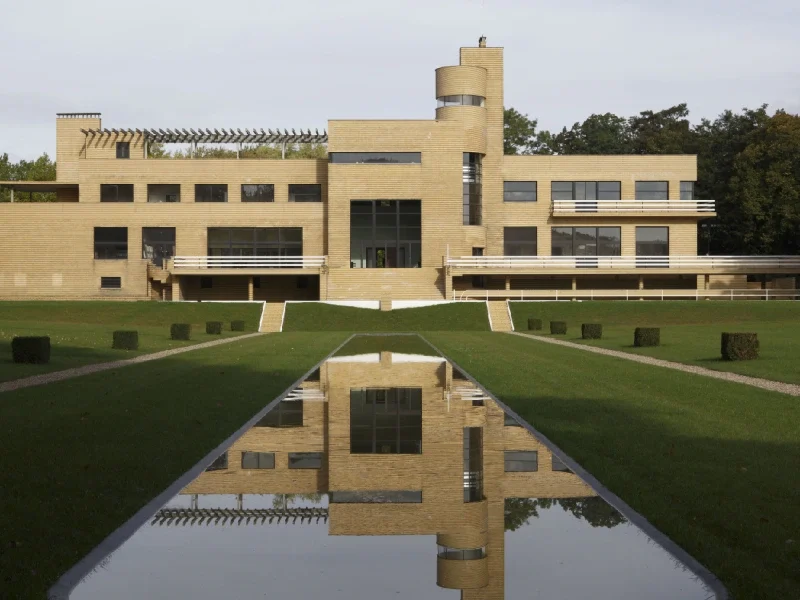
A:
<point x="81" y="456"/>
<point x="80" y="332"/>
<point x="711" y="464"/>
<point x="462" y="316"/>
<point x="690" y="330"/>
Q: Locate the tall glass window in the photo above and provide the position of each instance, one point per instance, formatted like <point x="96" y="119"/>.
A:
<point x="386" y="421"/>
<point x="255" y="241"/>
<point x="472" y="188"/>
<point x="385" y="234"/>
<point x="110" y="243"/>
<point x="158" y="244"/>
<point x="586" y="241"/>
<point x="519" y="241"/>
<point x="652" y="241"/>
<point x="687" y="190"/>
<point x="652" y="190"/>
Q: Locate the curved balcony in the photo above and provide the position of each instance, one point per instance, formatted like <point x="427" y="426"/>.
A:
<point x="632" y="207"/>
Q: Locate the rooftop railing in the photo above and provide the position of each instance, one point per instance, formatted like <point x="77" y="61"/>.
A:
<point x="253" y="262"/>
<point x="756" y="263"/>
<point x="632" y="206"/>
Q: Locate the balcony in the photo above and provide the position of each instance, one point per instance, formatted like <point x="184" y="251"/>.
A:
<point x="680" y="264"/>
<point x="235" y="265"/>
<point x="633" y="207"/>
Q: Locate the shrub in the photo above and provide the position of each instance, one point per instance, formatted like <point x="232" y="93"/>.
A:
<point x="126" y="340"/>
<point x="591" y="331"/>
<point x="214" y="327"/>
<point x="739" y="346"/>
<point x="558" y="327"/>
<point x="180" y="331"/>
<point x="237" y="325"/>
<point x="31" y="350"/>
<point x="534" y="324"/>
<point x="646" y="336"/>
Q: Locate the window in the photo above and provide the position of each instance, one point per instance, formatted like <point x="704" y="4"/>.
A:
<point x="163" y="192"/>
<point x="305" y="460"/>
<point x="652" y="241"/>
<point x="386" y="421"/>
<point x="511" y="421"/>
<point x="206" y="283"/>
<point x="158" y="244"/>
<point x="288" y="413"/>
<point x="478" y="281"/>
<point x="123" y="149"/>
<point x="204" y="192"/>
<point x="687" y="190"/>
<point x="460" y="553"/>
<point x="519" y="241"/>
<point x="519" y="191"/>
<point x="652" y="190"/>
<point x="219" y="464"/>
<point x="116" y="192"/>
<point x="521" y="461"/>
<point x="473" y="464"/>
<point x="460" y="100"/>
<point x="260" y="192"/>
<point x="305" y="192"/>
<point x="258" y="460"/>
<point x="110" y="283"/>
<point x="302" y="282"/>
<point x="385" y="234"/>
<point x="271" y="242"/>
<point x="558" y="465"/>
<point x="586" y="241"/>
<point x="110" y="243"/>
<point x="471" y="178"/>
<point x="585" y="190"/>
<point x="375" y="157"/>
<point x="387" y="497"/>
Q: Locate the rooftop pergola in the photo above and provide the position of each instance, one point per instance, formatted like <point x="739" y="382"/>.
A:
<point x="216" y="136"/>
<point x="238" y="516"/>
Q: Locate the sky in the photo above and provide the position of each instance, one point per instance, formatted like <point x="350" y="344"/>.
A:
<point x="296" y="64"/>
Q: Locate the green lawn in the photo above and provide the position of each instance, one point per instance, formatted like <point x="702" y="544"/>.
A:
<point x="462" y="316"/>
<point x="712" y="464"/>
<point x="80" y="457"/>
<point x="80" y="332"/>
<point x="690" y="331"/>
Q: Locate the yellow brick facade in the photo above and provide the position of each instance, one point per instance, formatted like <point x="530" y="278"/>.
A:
<point x="46" y="250"/>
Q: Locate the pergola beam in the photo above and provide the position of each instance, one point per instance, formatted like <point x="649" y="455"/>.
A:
<point x="217" y="136"/>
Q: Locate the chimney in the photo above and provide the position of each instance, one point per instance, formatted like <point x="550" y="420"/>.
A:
<point x="482" y="42"/>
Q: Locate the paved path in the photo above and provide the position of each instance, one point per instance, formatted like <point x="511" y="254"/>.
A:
<point x="18" y="384"/>
<point x="767" y="384"/>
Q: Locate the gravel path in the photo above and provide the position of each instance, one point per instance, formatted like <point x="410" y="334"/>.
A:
<point x="18" y="384"/>
<point x="767" y="384"/>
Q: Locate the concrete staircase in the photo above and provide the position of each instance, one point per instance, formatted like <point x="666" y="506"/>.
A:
<point x="273" y="317"/>
<point x="498" y="314"/>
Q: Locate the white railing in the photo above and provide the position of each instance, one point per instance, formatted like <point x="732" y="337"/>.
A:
<point x="567" y="295"/>
<point x="632" y="206"/>
<point x="253" y="262"/>
<point x="759" y="263"/>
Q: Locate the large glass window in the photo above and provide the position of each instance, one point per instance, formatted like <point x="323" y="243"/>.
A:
<point x="305" y="460"/>
<point x="585" y="190"/>
<point x="473" y="464"/>
<point x="521" y="461"/>
<point x="305" y="192"/>
<point x="460" y="100"/>
<point x="519" y="191"/>
<point x="386" y="421"/>
<point x="110" y="243"/>
<point x="586" y="241"/>
<point x="255" y="241"/>
<point x="471" y="176"/>
<point x="258" y="460"/>
<point x="258" y="192"/>
<point x="652" y="241"/>
<point x="158" y="244"/>
<point x="687" y="190"/>
<point x="288" y="413"/>
<point x="116" y="192"/>
<point x="519" y="241"/>
<point x="385" y="234"/>
<point x="652" y="190"/>
<point x="163" y="192"/>
<point x="204" y="192"/>
<point x="375" y="157"/>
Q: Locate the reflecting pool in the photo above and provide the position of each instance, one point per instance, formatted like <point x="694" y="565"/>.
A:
<point x="388" y="474"/>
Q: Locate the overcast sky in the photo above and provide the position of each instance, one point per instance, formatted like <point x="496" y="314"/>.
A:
<point x="298" y="63"/>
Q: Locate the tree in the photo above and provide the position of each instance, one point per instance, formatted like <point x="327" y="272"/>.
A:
<point x="519" y="133"/>
<point x="599" y="134"/>
<point x="667" y="131"/>
<point x="594" y="510"/>
<point x="41" y="169"/>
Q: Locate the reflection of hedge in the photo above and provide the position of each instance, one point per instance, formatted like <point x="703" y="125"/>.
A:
<point x="180" y="331"/>
<point x="534" y="324"/>
<point x="31" y="350"/>
<point x="214" y="327"/>
<point x="237" y="325"/>
<point x="558" y="327"/>
<point x="646" y="336"/>
<point x="739" y="346"/>
<point x="126" y="340"/>
<point x="591" y="331"/>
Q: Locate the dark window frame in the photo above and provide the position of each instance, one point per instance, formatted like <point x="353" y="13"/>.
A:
<point x="110" y="192"/>
<point x="515" y="460"/>
<point x="507" y="243"/>
<point x="262" y="460"/>
<point x="472" y="188"/>
<point x="160" y="249"/>
<point x="378" y="251"/>
<point x="382" y="158"/>
<point x="264" y="193"/>
<point x="210" y="192"/>
<point x="508" y="194"/>
<point x="284" y="415"/>
<point x="588" y="257"/>
<point x="579" y="188"/>
<point x="376" y="397"/>
<point x="689" y="193"/>
<point x="296" y="194"/>
<point x="296" y="460"/>
<point x="657" y="264"/>
<point x="110" y="280"/>
<point x="289" y="242"/>
<point x="219" y="464"/>
<point x="104" y="247"/>
<point x="123" y="150"/>
<point x="638" y="195"/>
<point x="460" y="100"/>
<point x="151" y="188"/>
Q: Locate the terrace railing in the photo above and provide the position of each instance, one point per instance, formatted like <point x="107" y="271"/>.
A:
<point x="252" y="262"/>
<point x="673" y="294"/>
<point x="568" y="207"/>
<point x="703" y="263"/>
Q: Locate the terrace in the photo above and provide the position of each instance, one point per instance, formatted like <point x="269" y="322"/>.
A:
<point x="637" y="208"/>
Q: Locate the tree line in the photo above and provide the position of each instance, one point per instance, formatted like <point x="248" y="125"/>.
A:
<point x="749" y="162"/>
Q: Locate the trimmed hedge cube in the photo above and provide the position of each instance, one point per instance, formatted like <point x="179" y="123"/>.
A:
<point x="591" y="331"/>
<point x="646" y="336"/>
<point x="739" y="346"/>
<point x="534" y="324"/>
<point x="237" y="325"/>
<point x="214" y="327"/>
<point x="180" y="331"/>
<point x="558" y="327"/>
<point x="126" y="340"/>
<point x="31" y="350"/>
